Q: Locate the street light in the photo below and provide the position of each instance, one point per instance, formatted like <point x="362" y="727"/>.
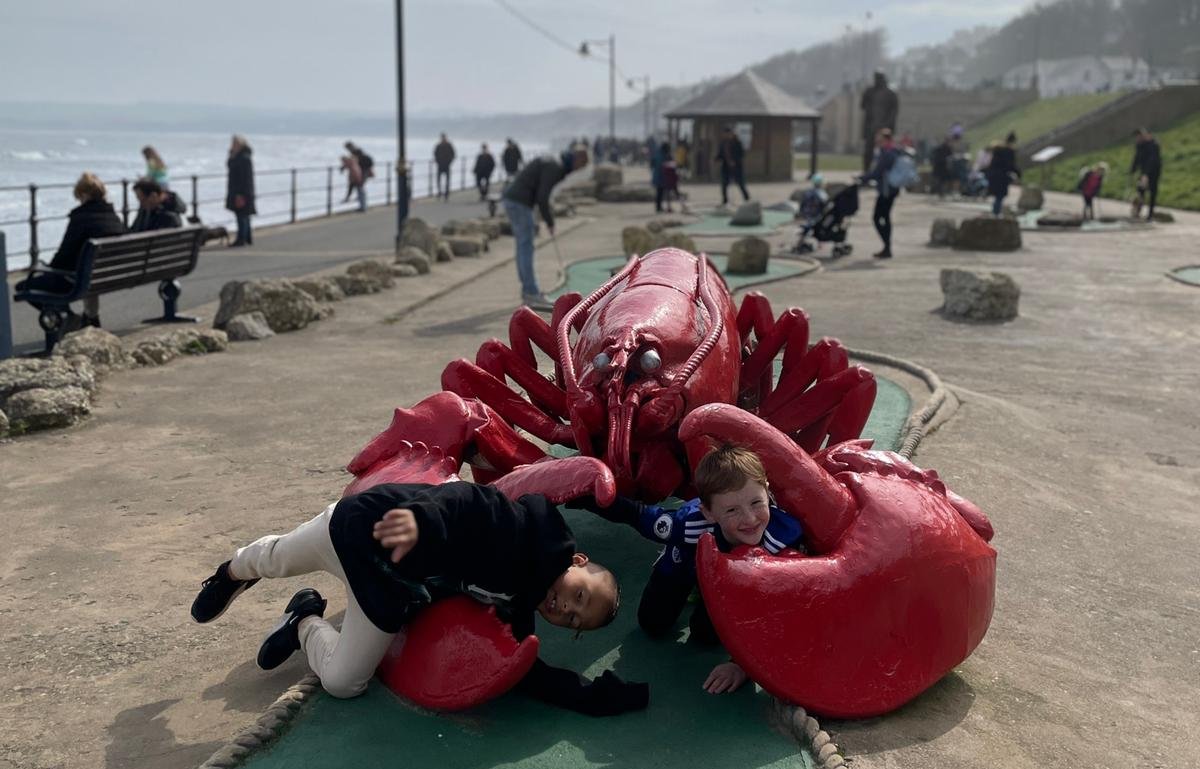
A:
<point x="402" y="163"/>
<point x="611" y="42"/>
<point x="646" y="92"/>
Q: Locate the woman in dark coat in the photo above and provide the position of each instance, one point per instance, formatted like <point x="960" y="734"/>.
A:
<point x="239" y="191"/>
<point x="1001" y="171"/>
<point x="94" y="217"/>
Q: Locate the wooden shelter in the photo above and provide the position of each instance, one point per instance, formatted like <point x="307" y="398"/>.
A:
<point x="757" y="111"/>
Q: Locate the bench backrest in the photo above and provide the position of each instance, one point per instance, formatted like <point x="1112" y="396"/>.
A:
<point x="132" y="260"/>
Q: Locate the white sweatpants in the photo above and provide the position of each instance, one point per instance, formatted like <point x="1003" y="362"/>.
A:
<point x="343" y="661"/>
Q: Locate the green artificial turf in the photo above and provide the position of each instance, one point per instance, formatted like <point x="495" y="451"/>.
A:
<point x="587" y="275"/>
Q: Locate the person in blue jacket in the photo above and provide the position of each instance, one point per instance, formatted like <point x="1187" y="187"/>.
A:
<point x="885" y="157"/>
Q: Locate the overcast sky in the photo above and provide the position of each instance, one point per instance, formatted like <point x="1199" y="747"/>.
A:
<point x="469" y="55"/>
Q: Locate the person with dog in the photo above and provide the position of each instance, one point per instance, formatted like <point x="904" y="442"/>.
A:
<point x="397" y="548"/>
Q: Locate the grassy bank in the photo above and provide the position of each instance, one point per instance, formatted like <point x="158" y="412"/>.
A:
<point x="1034" y="119"/>
<point x="1179" y="186"/>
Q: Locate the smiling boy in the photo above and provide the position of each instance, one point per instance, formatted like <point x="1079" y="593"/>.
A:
<point x="735" y="507"/>
<point x="399" y="547"/>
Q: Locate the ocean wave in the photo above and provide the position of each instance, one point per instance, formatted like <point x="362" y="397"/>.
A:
<point x="27" y="155"/>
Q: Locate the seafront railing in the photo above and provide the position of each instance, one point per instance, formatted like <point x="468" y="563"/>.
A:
<point x="283" y="195"/>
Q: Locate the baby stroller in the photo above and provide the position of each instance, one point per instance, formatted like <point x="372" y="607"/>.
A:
<point x="830" y="226"/>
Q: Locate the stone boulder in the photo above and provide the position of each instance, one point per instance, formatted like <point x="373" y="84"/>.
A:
<point x="637" y="240"/>
<point x="404" y="271"/>
<point x="487" y="228"/>
<point x="979" y="296"/>
<point x="358" y="284"/>
<point x="748" y="256"/>
<point x="197" y="341"/>
<point x="626" y="193"/>
<point x="986" y="233"/>
<point x="100" y="347"/>
<point x="248" y="327"/>
<point x="1164" y="217"/>
<point x="3" y="425"/>
<point x="606" y="175"/>
<point x="748" y="214"/>
<point x="322" y="289"/>
<point x="1031" y="198"/>
<point x="20" y="374"/>
<point x="286" y="307"/>
<point x="943" y="232"/>
<point x="677" y="240"/>
<point x="444" y="253"/>
<point x="664" y="222"/>
<point x="42" y="408"/>
<point x="418" y="233"/>
<point x="414" y="258"/>
<point x="375" y="269"/>
<point x="467" y="245"/>
<point x="1060" y="220"/>
<point x="154" y="352"/>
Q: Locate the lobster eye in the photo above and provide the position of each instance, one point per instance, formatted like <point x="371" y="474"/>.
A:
<point x="650" y="361"/>
<point x="601" y="361"/>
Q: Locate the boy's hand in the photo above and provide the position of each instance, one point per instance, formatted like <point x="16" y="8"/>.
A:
<point x="725" y="678"/>
<point x="397" y="530"/>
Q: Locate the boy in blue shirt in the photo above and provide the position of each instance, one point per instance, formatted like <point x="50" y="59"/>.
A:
<point x="735" y="507"/>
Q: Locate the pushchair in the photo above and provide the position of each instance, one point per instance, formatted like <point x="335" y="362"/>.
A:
<point x="831" y="225"/>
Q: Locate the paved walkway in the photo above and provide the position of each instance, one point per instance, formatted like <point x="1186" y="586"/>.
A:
<point x="1077" y="433"/>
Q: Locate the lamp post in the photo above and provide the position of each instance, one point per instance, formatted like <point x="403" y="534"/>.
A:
<point x="402" y="189"/>
<point x="646" y="93"/>
<point x="611" y="43"/>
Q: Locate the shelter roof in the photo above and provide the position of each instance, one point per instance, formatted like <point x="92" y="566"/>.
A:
<point x="745" y="95"/>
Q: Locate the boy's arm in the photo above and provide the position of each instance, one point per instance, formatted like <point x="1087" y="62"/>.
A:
<point x="622" y="510"/>
<point x="607" y="695"/>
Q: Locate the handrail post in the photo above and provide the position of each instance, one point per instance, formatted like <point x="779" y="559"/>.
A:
<point x="125" y="201"/>
<point x="329" y="190"/>
<point x="195" y="197"/>
<point x="5" y="317"/>
<point x="33" y="227"/>
<point x="388" y="198"/>
<point x="293" y="196"/>
<point x="429" y="178"/>
<point x="463" y="175"/>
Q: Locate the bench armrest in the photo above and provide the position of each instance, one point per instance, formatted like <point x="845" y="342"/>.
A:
<point x="39" y="267"/>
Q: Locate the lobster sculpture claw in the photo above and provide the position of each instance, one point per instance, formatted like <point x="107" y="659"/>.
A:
<point x="897" y="588"/>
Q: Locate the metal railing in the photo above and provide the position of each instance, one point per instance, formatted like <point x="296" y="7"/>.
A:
<point x="298" y="198"/>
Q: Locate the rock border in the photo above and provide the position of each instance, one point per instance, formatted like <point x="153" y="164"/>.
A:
<point x="1171" y="273"/>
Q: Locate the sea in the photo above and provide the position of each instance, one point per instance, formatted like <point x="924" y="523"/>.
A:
<point x="54" y="159"/>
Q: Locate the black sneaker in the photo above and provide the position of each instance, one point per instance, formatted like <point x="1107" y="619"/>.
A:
<point x="216" y="593"/>
<point x="284" y="638"/>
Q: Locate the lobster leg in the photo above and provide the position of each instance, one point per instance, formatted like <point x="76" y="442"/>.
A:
<point x="470" y="381"/>
<point x="499" y="361"/>
<point x="526" y="328"/>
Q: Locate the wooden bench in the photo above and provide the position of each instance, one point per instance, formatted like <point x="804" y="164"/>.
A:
<point x="113" y="264"/>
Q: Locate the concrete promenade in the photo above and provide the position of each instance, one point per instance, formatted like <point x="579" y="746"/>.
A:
<point x="1077" y="433"/>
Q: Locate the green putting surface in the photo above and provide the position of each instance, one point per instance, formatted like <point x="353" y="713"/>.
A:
<point x="589" y="274"/>
<point x="719" y="225"/>
<point x="1189" y="275"/>
<point x="684" y="726"/>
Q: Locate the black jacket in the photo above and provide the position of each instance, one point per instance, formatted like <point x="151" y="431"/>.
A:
<point x="93" y="219"/>
<point x="366" y="163"/>
<point x="472" y="540"/>
<point x="1001" y="170"/>
<point x="1148" y="157"/>
<point x="533" y="185"/>
<point x="940" y="160"/>
<point x="240" y="181"/>
<point x="512" y="159"/>
<point x="161" y="218"/>
<point x="443" y="153"/>
<point x="485" y="163"/>
<point x="730" y="153"/>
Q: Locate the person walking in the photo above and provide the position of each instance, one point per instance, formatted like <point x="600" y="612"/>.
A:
<point x="660" y="157"/>
<point x="443" y="155"/>
<point x="731" y="154"/>
<point x="156" y="169"/>
<point x="485" y="164"/>
<point x="533" y="187"/>
<point x="880" y="107"/>
<point x="942" y="161"/>
<point x="354" y="178"/>
<point x="885" y="159"/>
<point x="1148" y="159"/>
<point x="94" y="217"/>
<point x="239" y="189"/>
<point x="511" y="158"/>
<point x="1001" y="170"/>
<point x="366" y="167"/>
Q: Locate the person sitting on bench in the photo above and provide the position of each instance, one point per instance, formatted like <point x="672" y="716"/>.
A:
<point x="155" y="210"/>
<point x="94" y="217"/>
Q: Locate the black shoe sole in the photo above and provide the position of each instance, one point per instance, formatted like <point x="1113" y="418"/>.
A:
<point x="246" y="585"/>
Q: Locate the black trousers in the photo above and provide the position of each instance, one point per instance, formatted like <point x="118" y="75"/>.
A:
<point x="737" y="175"/>
<point x="446" y="173"/>
<point x="1153" y="189"/>
<point x="663" y="601"/>
<point x="483" y="184"/>
<point x="882" y="218"/>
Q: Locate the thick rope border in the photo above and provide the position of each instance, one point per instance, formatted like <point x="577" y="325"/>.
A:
<point x="794" y="720"/>
<point x="1171" y="273"/>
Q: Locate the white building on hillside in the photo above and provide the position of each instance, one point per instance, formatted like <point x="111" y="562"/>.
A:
<point x="1082" y="74"/>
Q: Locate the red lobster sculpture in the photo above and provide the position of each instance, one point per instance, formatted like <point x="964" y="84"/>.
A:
<point x="662" y="368"/>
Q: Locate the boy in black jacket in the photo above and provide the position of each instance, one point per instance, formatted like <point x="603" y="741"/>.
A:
<point x="399" y="547"/>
